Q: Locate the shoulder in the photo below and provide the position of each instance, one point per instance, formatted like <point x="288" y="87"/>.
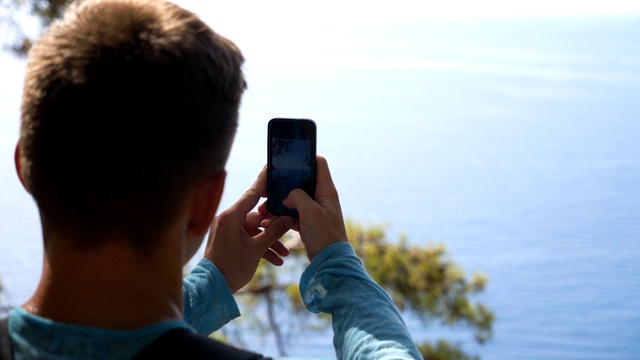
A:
<point x="184" y="344"/>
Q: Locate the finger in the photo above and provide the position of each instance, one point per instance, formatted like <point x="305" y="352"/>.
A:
<point x="253" y="232"/>
<point x="264" y="190"/>
<point x="266" y="222"/>
<point x="298" y="199"/>
<point x="279" y="249"/>
<point x="253" y="220"/>
<point x="262" y="209"/>
<point x="250" y="198"/>
<point x="296" y="224"/>
<point x="324" y="186"/>
<point x="271" y="257"/>
<point x="274" y="232"/>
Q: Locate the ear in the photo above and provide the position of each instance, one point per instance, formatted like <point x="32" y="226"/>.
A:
<point x="205" y="203"/>
<point x="17" y="158"/>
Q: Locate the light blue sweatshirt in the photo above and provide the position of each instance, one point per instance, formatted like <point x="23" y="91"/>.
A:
<point x="366" y="323"/>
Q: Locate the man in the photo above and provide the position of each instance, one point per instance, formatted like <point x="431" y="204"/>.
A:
<point x="129" y="112"/>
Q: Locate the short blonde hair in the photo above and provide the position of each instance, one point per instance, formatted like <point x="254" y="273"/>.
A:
<point x="126" y="104"/>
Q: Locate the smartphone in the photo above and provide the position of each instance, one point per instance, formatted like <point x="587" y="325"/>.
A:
<point x="291" y="161"/>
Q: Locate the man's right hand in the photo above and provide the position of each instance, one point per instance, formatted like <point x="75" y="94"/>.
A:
<point x="320" y="223"/>
<point x="236" y="244"/>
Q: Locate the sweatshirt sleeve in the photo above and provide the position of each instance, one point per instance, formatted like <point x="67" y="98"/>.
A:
<point x="366" y="323"/>
<point x="208" y="302"/>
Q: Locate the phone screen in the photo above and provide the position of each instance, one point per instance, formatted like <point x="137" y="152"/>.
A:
<point x="291" y="161"/>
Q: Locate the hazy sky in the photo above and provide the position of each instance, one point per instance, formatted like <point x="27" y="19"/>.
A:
<point x="286" y="13"/>
<point x="357" y="10"/>
<point x="288" y="28"/>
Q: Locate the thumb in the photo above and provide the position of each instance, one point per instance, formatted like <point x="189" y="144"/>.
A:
<point x="298" y="199"/>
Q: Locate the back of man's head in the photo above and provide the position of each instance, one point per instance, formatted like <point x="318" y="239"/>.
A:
<point x="126" y="105"/>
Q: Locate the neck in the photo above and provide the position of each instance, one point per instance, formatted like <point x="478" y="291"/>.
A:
<point x="112" y="287"/>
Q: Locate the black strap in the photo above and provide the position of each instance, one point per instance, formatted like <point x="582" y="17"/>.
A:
<point x="5" y="341"/>
<point x="184" y="344"/>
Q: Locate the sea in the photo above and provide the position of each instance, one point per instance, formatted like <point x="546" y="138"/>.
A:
<point x="513" y="141"/>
